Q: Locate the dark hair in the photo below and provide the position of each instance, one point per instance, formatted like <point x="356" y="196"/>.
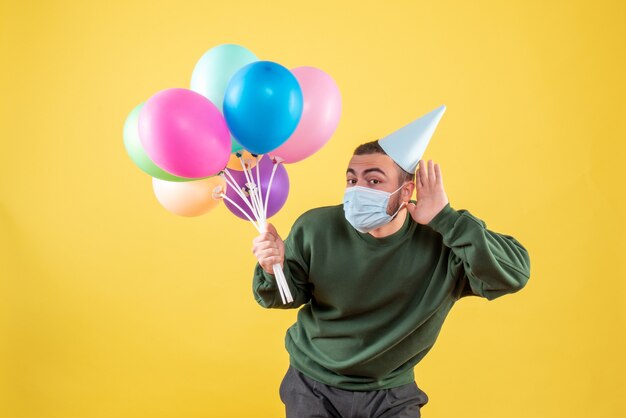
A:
<point x="373" y="147"/>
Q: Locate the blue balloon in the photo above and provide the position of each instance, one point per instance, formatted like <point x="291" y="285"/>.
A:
<point x="262" y="106"/>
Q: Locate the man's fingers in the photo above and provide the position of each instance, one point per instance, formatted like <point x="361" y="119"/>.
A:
<point x="423" y="173"/>
<point x="260" y="246"/>
<point x="438" y="174"/>
<point x="265" y="244"/>
<point x="268" y="247"/>
<point x="269" y="262"/>
<point x="421" y="176"/>
<point x="268" y="252"/>
<point x="271" y="229"/>
<point x="264" y="236"/>
<point x="431" y="172"/>
<point x="418" y="180"/>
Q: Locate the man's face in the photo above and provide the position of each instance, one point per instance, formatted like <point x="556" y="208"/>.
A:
<point x="379" y="172"/>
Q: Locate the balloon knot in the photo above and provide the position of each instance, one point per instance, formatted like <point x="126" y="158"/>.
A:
<point x="218" y="193"/>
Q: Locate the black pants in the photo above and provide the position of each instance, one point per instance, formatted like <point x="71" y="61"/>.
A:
<point x="307" y="398"/>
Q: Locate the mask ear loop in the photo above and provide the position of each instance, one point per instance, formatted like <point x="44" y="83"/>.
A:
<point x="399" y="188"/>
<point x="403" y="203"/>
<point x="399" y="209"/>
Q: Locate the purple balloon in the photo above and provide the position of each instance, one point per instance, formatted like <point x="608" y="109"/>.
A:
<point x="278" y="192"/>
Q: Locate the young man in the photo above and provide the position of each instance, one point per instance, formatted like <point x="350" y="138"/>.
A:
<point x="375" y="278"/>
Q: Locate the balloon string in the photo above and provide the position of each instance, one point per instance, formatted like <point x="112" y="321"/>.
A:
<point x="242" y="194"/>
<point x="258" y="181"/>
<point x="269" y="187"/>
<point x="233" y="184"/>
<point x="261" y="219"/>
<point x="282" y="283"/>
<point x="252" y="191"/>
<point x="280" y="275"/>
<point x="283" y="287"/>
<point x="259" y="204"/>
<point x="223" y="195"/>
<point x="260" y="213"/>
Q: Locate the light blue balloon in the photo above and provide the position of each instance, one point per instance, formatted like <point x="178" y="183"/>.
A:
<point x="263" y="106"/>
<point x="214" y="70"/>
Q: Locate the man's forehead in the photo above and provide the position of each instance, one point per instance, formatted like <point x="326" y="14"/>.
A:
<point x="364" y="162"/>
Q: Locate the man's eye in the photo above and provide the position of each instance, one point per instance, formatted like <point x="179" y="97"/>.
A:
<point x="374" y="181"/>
<point x="351" y="181"/>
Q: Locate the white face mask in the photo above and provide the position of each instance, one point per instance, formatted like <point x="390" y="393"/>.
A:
<point x="366" y="209"/>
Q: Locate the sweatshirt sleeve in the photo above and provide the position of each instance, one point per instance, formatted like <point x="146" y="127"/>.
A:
<point x="296" y="269"/>
<point x="493" y="264"/>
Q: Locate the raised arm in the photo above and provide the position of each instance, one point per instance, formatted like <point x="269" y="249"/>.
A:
<point x="493" y="264"/>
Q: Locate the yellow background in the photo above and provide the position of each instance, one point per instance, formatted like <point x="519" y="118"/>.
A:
<point x="111" y="306"/>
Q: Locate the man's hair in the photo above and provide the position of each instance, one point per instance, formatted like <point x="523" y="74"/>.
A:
<point x="373" y="147"/>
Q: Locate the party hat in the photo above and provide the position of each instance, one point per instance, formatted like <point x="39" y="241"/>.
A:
<point x="407" y="145"/>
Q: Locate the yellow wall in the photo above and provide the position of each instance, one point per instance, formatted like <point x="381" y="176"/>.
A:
<point x="111" y="306"/>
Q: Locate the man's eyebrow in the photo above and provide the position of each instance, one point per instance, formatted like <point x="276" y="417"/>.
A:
<point x="369" y="170"/>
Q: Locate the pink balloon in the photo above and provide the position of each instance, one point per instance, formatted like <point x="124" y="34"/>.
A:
<point x="320" y="115"/>
<point x="184" y="133"/>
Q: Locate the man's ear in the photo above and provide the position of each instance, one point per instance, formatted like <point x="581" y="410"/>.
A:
<point x="407" y="190"/>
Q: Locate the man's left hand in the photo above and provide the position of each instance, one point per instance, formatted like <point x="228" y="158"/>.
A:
<point x="431" y="197"/>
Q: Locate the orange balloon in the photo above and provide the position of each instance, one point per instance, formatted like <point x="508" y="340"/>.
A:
<point x="189" y="198"/>
<point x="235" y="164"/>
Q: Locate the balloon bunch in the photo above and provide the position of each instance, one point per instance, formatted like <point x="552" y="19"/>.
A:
<point x="229" y="135"/>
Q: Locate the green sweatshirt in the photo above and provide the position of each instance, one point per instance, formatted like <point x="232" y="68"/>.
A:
<point x="373" y="307"/>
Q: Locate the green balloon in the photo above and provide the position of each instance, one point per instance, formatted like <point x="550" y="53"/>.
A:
<point x="138" y="155"/>
<point x="235" y="146"/>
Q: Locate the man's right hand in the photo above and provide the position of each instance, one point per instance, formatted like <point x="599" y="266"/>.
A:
<point x="269" y="249"/>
